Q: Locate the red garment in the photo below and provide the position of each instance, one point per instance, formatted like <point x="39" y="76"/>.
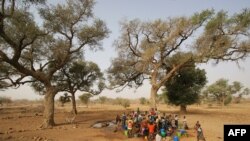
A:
<point x="153" y="113"/>
<point x="151" y="128"/>
<point x="144" y="123"/>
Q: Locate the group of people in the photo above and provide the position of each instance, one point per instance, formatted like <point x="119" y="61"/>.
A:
<point x="153" y="125"/>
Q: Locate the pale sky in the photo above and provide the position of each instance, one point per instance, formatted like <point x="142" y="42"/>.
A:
<point x="114" y="11"/>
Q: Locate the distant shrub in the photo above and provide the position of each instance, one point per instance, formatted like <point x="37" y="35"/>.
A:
<point x="85" y="98"/>
<point x="64" y="99"/>
<point x="5" y="100"/>
<point x="103" y="99"/>
<point x="143" y="101"/>
<point x="210" y="105"/>
<point x="117" y="101"/>
<point x="125" y="103"/>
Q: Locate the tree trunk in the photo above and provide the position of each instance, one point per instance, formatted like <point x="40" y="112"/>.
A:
<point x="74" y="111"/>
<point x="183" y="108"/>
<point x="153" y="95"/>
<point x="49" y="108"/>
<point x="223" y="101"/>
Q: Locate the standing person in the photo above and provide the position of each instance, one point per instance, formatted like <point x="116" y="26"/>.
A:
<point x="184" y="123"/>
<point x="173" y="124"/>
<point x="176" y="121"/>
<point x="144" y="127"/>
<point x="196" y="125"/>
<point x="130" y="127"/>
<point x="158" y="137"/>
<point x="124" y="118"/>
<point x="118" y="122"/>
<point x="200" y="136"/>
<point x="151" y="130"/>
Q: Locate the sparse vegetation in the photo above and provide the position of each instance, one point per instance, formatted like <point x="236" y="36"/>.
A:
<point x="143" y="100"/>
<point x="222" y="92"/>
<point x="5" y="100"/>
<point x="85" y="98"/>
<point x="125" y="103"/>
<point x="103" y="99"/>
<point x="64" y="99"/>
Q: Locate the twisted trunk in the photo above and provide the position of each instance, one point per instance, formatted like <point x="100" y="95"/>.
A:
<point x="48" y="115"/>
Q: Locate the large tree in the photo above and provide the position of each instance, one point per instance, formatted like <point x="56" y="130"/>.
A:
<point x="184" y="88"/>
<point x="36" y="53"/>
<point x="144" y="47"/>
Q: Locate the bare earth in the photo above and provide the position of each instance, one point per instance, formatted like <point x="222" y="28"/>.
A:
<point x="21" y="122"/>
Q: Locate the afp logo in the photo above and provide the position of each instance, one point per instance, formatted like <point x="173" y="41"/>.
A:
<point x="236" y="132"/>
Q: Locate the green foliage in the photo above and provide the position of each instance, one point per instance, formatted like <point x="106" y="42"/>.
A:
<point x="122" y="101"/>
<point x="125" y="103"/>
<point x="228" y="100"/>
<point x="45" y="50"/>
<point x="145" y="49"/>
<point x="80" y="75"/>
<point x="7" y="73"/>
<point x="37" y="52"/>
<point x="103" y="99"/>
<point x="85" y="98"/>
<point x="64" y="99"/>
<point x="163" y="98"/>
<point x="184" y="88"/>
<point x="117" y="101"/>
<point x="222" y="92"/>
<point x="5" y="100"/>
<point x="143" y="101"/>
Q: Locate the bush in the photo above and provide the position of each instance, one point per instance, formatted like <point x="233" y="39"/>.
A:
<point x="103" y="99"/>
<point x="64" y="99"/>
<point x="125" y="103"/>
<point x="85" y="98"/>
<point x="143" y="101"/>
<point x="228" y="100"/>
<point x="118" y="101"/>
<point x="5" y="100"/>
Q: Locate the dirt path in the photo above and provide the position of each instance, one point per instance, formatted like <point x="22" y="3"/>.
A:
<point x="21" y="123"/>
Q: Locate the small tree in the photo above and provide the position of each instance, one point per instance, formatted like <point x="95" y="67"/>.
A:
<point x="103" y="99"/>
<point x="80" y="76"/>
<point x="125" y="103"/>
<point x="118" y="101"/>
<point x="245" y="92"/>
<point x="5" y="100"/>
<point x="222" y="92"/>
<point x="64" y="99"/>
<point x="143" y="101"/>
<point x="85" y="98"/>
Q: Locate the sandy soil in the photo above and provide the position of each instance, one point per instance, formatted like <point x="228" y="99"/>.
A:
<point x="21" y="123"/>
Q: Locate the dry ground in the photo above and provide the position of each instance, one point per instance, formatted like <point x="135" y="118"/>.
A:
<point x="21" y="123"/>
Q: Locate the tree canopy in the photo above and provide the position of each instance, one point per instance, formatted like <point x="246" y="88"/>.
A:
<point x="144" y="48"/>
<point x="184" y="88"/>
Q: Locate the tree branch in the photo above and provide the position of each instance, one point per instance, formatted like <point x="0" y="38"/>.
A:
<point x="130" y="44"/>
